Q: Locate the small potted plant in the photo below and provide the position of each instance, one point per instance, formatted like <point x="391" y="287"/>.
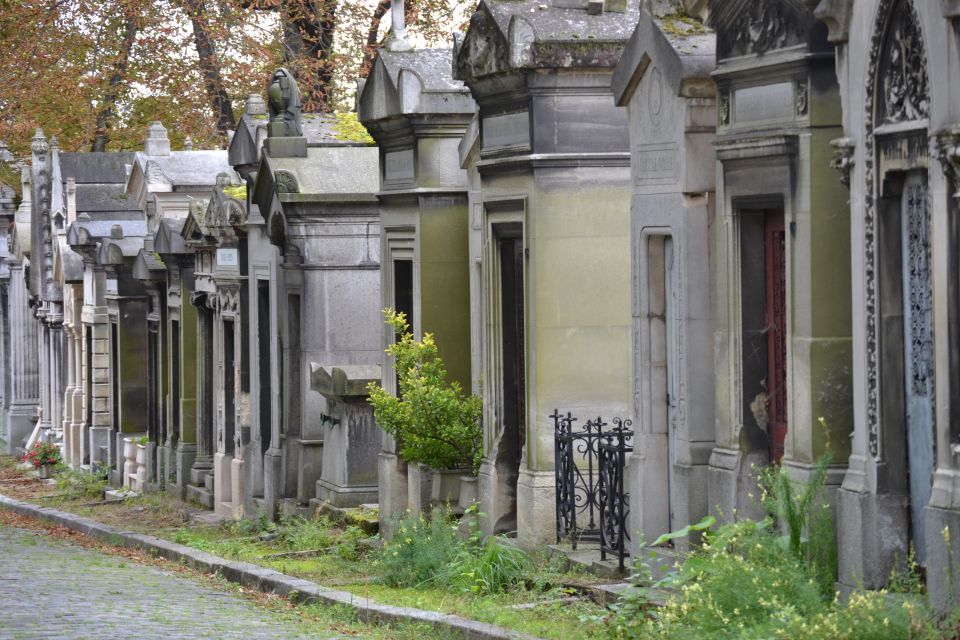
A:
<point x="43" y="456"/>
<point x="435" y="424"/>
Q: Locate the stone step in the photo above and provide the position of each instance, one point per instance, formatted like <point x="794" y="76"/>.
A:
<point x="200" y="495"/>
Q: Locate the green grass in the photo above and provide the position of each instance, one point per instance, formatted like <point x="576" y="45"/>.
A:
<point x="362" y="576"/>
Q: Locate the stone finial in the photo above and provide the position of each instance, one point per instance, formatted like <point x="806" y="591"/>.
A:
<point x="116" y="232"/>
<point x="84" y="217"/>
<point x="5" y="155"/>
<point x="39" y="144"/>
<point x="188" y="143"/>
<point x="157" y="143"/>
<point x="71" y="200"/>
<point x="397" y="41"/>
<point x="255" y="105"/>
<point x="284" y="105"/>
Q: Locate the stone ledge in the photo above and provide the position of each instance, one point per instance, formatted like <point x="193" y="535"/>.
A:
<point x="261" y="578"/>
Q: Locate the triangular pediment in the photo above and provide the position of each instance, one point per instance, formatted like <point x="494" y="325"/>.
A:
<point x="752" y="27"/>
<point x="483" y="50"/>
<point x="379" y="98"/>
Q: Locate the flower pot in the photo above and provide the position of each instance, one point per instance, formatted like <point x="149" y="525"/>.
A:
<point x="141" y="455"/>
<point x="45" y="471"/>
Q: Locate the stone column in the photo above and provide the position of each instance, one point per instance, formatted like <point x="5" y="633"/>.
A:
<point x="23" y="369"/>
<point x="56" y="375"/>
<point x="65" y="424"/>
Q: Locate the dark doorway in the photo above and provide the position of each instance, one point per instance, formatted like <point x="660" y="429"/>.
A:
<point x="88" y="383"/>
<point x="513" y="417"/>
<point x="115" y="375"/>
<point x="403" y="295"/>
<point x="229" y="389"/>
<point x="763" y="299"/>
<point x="153" y="375"/>
<point x="263" y="364"/>
<point x="208" y="416"/>
<point x="175" y="379"/>
<point x="776" y="316"/>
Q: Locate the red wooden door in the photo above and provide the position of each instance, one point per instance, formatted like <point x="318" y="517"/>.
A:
<point x="776" y="317"/>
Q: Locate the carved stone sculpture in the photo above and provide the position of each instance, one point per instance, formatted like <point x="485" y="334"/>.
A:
<point x="284" y="96"/>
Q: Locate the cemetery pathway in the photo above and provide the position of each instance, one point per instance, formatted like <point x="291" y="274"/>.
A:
<point x="50" y="590"/>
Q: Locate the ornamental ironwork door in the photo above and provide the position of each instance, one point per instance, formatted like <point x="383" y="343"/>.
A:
<point x="918" y="350"/>
<point x="775" y="308"/>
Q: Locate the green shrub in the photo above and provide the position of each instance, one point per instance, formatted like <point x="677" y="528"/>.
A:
<point x="349" y="545"/>
<point x="421" y="552"/>
<point x="806" y="518"/>
<point x="489" y="567"/>
<point x="299" y="534"/>
<point x="433" y="422"/>
<point x="73" y="484"/>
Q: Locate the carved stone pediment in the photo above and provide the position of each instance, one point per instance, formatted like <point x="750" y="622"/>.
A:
<point x="902" y="85"/>
<point x="224" y="211"/>
<point x="483" y="51"/>
<point x="155" y="175"/>
<point x="749" y="27"/>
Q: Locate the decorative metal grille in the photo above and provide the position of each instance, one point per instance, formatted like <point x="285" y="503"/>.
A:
<point x="921" y="311"/>
<point x="592" y="504"/>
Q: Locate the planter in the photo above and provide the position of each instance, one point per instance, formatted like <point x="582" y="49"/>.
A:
<point x="129" y="461"/>
<point x="45" y="471"/>
<point x="469" y="491"/>
<point x="138" y="481"/>
<point x="445" y="486"/>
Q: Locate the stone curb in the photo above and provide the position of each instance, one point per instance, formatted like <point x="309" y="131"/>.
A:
<point x="262" y="579"/>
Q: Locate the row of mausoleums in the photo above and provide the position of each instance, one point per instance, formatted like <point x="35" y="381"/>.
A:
<point x="598" y="208"/>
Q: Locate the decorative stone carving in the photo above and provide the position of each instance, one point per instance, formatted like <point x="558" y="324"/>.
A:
<point x="803" y="97"/>
<point x="946" y="146"/>
<point x="284" y="96"/>
<point x="836" y="15"/>
<point x="522" y="38"/>
<point x="897" y="28"/>
<point x="904" y="91"/>
<point x="155" y="174"/>
<point x="723" y="111"/>
<point x="483" y="51"/>
<point x="229" y="299"/>
<point x="843" y="151"/>
<point x="286" y="182"/>
<point x="754" y="28"/>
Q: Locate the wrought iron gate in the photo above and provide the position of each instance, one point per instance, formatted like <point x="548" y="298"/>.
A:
<point x="592" y="503"/>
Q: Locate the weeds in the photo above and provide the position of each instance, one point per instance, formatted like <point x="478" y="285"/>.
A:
<point x="73" y="484"/>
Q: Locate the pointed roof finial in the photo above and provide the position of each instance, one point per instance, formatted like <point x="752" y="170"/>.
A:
<point x="157" y="144"/>
<point x="397" y="41"/>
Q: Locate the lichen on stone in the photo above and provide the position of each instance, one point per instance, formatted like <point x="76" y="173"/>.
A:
<point x="349" y="129"/>
<point x="681" y="25"/>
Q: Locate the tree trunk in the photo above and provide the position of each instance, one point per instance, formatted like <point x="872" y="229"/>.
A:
<point x="107" y="108"/>
<point x="308" y="30"/>
<point x="210" y="67"/>
<point x="373" y="42"/>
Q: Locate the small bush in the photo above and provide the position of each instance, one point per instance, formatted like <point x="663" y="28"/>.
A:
<point x="73" y="484"/>
<point x="298" y="534"/>
<point x="432" y="420"/>
<point x="421" y="552"/>
<point x="490" y="567"/>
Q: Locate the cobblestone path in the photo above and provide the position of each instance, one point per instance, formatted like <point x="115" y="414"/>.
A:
<point x="52" y="590"/>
